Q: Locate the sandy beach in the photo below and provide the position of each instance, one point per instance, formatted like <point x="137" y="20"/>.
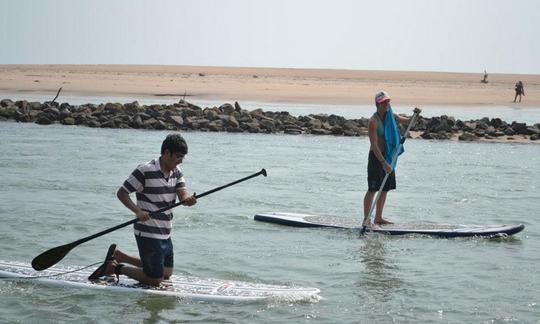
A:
<point x="317" y="86"/>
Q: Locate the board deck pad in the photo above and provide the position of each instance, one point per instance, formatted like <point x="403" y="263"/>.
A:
<point x="442" y="230"/>
<point x="190" y="287"/>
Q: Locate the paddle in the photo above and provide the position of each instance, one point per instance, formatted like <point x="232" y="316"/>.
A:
<point x="54" y="255"/>
<point x="367" y="218"/>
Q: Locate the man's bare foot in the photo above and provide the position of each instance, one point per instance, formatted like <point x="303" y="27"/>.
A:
<point x="109" y="269"/>
<point x="120" y="256"/>
<point x="382" y="221"/>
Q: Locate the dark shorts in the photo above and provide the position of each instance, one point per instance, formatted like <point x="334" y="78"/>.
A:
<point x="376" y="175"/>
<point x="155" y="255"/>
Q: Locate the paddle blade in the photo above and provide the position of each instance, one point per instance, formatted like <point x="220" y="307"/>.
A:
<point x="51" y="257"/>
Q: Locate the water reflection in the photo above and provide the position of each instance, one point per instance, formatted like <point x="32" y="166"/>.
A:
<point x="155" y="305"/>
<point x="379" y="279"/>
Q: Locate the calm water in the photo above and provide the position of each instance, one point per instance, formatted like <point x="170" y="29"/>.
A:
<point x="58" y="184"/>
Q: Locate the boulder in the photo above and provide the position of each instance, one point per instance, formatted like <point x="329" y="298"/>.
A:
<point x="257" y="112"/>
<point x="229" y="121"/>
<point x="292" y="131"/>
<point x="149" y="123"/>
<point x="137" y="122"/>
<point x="210" y="114"/>
<point x="496" y="122"/>
<point x="160" y="125"/>
<point x="191" y="112"/>
<point x="6" y="103"/>
<point x="252" y="127"/>
<point x="68" y="121"/>
<point x="443" y="126"/>
<point x="176" y="120"/>
<point x="23" y="104"/>
<point x="93" y="124"/>
<point x="43" y="120"/>
<point x="314" y="123"/>
<point x="469" y="126"/>
<point x="490" y="131"/>
<point x="10" y="112"/>
<point x="108" y="124"/>
<point x="320" y="131"/>
<point x="509" y="131"/>
<point x="442" y="135"/>
<point x="479" y="132"/>
<point x="113" y="108"/>
<point x="336" y="120"/>
<point x="467" y="137"/>
<point x="132" y="108"/>
<point x="226" y="108"/>
<point x="216" y="125"/>
<point x="519" y="128"/>
<point x="267" y="125"/>
<point x="531" y="130"/>
<point x="234" y="130"/>
<point x="336" y="130"/>
<point x="429" y="135"/>
<point x="350" y="132"/>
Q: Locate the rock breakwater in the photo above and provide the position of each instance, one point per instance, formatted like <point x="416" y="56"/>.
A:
<point x="185" y="116"/>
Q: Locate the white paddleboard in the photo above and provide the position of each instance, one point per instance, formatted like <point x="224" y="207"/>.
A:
<point x="193" y="288"/>
<point x="442" y="230"/>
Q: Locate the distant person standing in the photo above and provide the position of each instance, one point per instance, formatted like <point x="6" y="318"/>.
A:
<point x="519" y="90"/>
<point x="485" y="77"/>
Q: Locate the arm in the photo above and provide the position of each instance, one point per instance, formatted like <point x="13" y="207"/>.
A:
<point x="183" y="195"/>
<point x="123" y="196"/>
<point x="402" y="119"/>
<point x="406" y="120"/>
<point x="374" y="144"/>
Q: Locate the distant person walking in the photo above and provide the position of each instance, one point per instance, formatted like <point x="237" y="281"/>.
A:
<point x="485" y="77"/>
<point x="519" y="90"/>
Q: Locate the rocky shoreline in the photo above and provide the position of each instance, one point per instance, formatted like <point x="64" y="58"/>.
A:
<point x="185" y="116"/>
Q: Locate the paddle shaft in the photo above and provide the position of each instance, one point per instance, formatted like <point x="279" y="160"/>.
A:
<point x="367" y="218"/>
<point x="64" y="249"/>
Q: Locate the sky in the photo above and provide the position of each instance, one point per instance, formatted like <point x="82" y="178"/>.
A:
<point x="403" y="35"/>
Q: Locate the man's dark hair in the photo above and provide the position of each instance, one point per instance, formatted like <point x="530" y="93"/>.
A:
<point x="174" y="143"/>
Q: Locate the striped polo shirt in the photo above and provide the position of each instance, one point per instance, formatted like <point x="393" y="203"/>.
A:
<point x="155" y="191"/>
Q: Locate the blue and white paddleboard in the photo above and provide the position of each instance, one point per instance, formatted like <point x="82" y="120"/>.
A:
<point x="442" y="230"/>
<point x="192" y="288"/>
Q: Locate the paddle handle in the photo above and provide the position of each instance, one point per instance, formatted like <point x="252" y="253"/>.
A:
<point x="367" y="218"/>
<point x="112" y="229"/>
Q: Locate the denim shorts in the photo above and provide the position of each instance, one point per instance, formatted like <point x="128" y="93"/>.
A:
<point x="155" y="255"/>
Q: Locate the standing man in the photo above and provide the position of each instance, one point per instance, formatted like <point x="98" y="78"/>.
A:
<point x="156" y="183"/>
<point x="382" y="125"/>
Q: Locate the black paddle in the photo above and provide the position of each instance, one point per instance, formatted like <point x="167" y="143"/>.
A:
<point x="54" y="255"/>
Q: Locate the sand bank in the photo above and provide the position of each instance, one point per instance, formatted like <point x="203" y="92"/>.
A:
<point x="317" y="86"/>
